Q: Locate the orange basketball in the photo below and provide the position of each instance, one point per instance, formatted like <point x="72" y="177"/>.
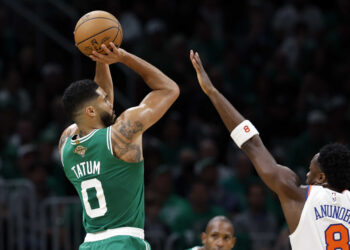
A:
<point x="96" y="28"/>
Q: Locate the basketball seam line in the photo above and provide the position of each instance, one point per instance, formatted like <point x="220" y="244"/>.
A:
<point x="113" y="20"/>
<point x="116" y="36"/>
<point x="98" y="34"/>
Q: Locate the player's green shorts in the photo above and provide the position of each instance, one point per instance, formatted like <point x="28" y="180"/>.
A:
<point x="120" y="242"/>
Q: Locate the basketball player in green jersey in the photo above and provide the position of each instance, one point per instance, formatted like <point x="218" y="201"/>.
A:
<point x="102" y="154"/>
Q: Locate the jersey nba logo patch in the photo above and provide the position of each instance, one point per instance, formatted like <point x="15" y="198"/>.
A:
<point x="80" y="150"/>
<point x="334" y="196"/>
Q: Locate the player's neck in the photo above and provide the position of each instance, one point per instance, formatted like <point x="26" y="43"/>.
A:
<point x="85" y="129"/>
<point x="83" y="132"/>
<point x="326" y="185"/>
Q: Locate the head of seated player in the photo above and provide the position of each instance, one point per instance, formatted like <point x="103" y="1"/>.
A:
<point x="87" y="105"/>
<point x="219" y="234"/>
<point x="331" y="168"/>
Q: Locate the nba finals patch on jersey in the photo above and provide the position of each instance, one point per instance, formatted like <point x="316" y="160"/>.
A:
<point x="80" y="150"/>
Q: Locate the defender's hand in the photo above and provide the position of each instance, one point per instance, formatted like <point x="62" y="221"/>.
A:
<point x="202" y="76"/>
<point x="112" y="56"/>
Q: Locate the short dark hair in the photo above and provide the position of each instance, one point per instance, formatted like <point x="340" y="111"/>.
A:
<point x="334" y="160"/>
<point x="77" y="94"/>
<point x="219" y="218"/>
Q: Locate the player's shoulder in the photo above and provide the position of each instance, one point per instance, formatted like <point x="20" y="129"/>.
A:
<point x="69" y="131"/>
<point x="316" y="189"/>
<point x="320" y="188"/>
<point x="319" y="192"/>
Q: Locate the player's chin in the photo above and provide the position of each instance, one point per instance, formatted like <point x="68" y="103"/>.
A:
<point x="218" y="248"/>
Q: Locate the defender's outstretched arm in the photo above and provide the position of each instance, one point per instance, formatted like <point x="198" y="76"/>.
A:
<point x="278" y="178"/>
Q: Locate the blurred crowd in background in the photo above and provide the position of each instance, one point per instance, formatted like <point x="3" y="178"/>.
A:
<point x="284" y="64"/>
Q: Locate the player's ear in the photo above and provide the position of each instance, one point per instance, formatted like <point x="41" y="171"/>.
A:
<point x="204" y="238"/>
<point x="234" y="240"/>
<point x="321" y="178"/>
<point x="90" y="111"/>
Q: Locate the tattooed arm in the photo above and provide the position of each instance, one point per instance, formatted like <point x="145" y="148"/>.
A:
<point x="126" y="140"/>
<point x="69" y="131"/>
<point x="127" y="131"/>
<point x="164" y="90"/>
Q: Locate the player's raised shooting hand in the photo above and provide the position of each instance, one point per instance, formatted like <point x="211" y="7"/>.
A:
<point x="112" y="55"/>
<point x="202" y="76"/>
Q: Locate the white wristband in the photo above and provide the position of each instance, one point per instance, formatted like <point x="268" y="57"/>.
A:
<point x="243" y="132"/>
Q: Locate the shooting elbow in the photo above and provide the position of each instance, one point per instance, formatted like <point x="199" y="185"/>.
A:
<point x="175" y="91"/>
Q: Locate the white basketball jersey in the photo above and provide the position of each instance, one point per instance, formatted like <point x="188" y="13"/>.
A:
<point x="324" y="222"/>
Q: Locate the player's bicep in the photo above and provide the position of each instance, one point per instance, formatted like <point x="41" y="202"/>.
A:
<point x="284" y="182"/>
<point x="134" y="121"/>
<point x="287" y="184"/>
<point x="154" y="106"/>
<point x="280" y="179"/>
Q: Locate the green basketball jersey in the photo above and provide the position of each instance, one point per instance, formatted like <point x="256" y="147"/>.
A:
<point x="111" y="190"/>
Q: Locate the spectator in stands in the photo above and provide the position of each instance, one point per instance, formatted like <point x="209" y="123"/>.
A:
<point x="198" y="211"/>
<point x="296" y="11"/>
<point x="238" y="184"/>
<point x="186" y="174"/>
<point x="156" y="232"/>
<point x="208" y="172"/>
<point x="172" y="205"/>
<point x="256" y="223"/>
<point x="309" y="142"/>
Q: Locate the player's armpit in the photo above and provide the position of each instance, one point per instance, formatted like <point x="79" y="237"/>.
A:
<point x="155" y="105"/>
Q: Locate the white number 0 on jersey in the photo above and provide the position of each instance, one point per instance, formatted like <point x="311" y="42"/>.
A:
<point x="102" y="208"/>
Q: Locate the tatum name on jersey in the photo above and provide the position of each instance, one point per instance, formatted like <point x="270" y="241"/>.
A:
<point x="111" y="190"/>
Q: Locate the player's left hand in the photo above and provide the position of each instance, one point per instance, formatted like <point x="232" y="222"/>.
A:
<point x="202" y="75"/>
<point x="112" y="55"/>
